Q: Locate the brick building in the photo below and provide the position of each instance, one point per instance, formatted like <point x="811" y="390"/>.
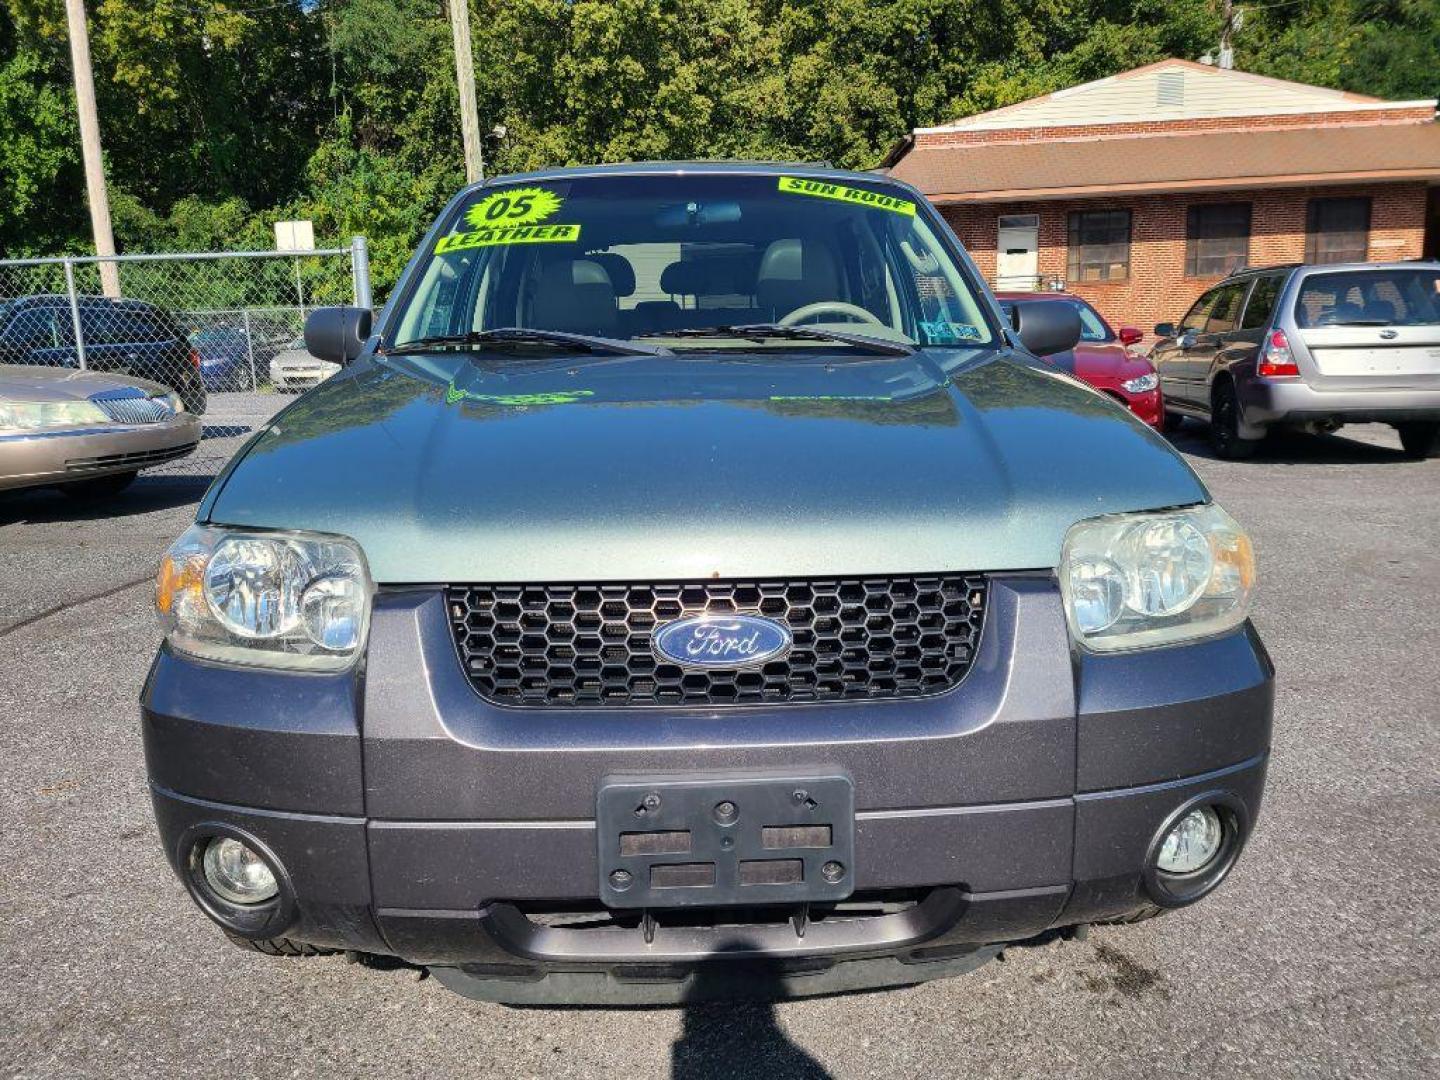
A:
<point x="1141" y="190"/>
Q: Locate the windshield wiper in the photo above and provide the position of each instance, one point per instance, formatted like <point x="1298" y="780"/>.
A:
<point x="761" y="331"/>
<point x="524" y="335"/>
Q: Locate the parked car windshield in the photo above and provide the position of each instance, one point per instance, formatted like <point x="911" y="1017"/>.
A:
<point x="1391" y="296"/>
<point x="646" y="257"/>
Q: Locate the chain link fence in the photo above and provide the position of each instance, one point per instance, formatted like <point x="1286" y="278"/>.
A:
<point x="220" y="329"/>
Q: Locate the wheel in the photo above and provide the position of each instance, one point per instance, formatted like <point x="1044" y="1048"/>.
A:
<point x="1171" y="423"/>
<point x="278" y="946"/>
<point x="102" y="487"/>
<point x="1149" y="911"/>
<point x="1420" y="438"/>
<point x="1225" y="437"/>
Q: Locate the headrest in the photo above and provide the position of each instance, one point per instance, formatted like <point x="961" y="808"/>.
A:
<point x="683" y="279"/>
<point x="575" y="295"/>
<point x="713" y="275"/>
<point x="1379" y="310"/>
<point x="619" y="270"/>
<point x="794" y="273"/>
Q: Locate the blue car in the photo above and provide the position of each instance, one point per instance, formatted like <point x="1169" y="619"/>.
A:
<point x="224" y="358"/>
<point x="690" y="587"/>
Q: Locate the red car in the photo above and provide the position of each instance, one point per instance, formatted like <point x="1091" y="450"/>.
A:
<point x="1103" y="358"/>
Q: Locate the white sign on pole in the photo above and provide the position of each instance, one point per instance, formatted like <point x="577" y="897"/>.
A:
<point x="294" y="236"/>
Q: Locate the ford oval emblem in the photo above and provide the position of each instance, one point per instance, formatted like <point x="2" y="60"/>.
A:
<point x="721" y="641"/>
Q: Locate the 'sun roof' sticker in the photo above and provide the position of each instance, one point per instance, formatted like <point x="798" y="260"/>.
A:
<point x="824" y="189"/>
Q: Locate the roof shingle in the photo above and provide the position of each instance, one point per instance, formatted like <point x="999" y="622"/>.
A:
<point x="1199" y="161"/>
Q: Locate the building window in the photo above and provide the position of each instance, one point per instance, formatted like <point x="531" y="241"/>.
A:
<point x="1337" y="230"/>
<point x="1217" y="239"/>
<point x="1099" y="245"/>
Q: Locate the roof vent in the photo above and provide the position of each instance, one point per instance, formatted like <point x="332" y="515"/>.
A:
<point x="1170" y="88"/>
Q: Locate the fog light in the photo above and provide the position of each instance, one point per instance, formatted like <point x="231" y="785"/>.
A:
<point x="1192" y="842"/>
<point x="236" y="873"/>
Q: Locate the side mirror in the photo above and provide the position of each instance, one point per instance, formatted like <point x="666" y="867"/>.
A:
<point x="1131" y="335"/>
<point x="1165" y="329"/>
<point x="337" y="334"/>
<point x="1046" y="327"/>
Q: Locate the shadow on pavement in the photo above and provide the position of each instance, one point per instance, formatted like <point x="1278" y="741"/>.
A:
<point x="1292" y="448"/>
<point x="721" y="1038"/>
<point x="146" y="495"/>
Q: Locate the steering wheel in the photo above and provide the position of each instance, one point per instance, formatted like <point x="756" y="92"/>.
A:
<point x="830" y="307"/>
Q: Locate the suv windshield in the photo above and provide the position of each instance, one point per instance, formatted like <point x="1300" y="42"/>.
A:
<point x="661" y="257"/>
<point x="1391" y="296"/>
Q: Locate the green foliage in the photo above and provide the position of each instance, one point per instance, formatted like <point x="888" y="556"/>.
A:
<point x="221" y="116"/>
<point x="39" y="150"/>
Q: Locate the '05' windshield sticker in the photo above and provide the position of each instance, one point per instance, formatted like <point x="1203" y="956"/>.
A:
<point x="823" y="189"/>
<point x="514" y="206"/>
<point x="513" y="216"/>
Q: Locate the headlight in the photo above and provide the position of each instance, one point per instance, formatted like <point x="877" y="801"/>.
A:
<point x="1134" y="580"/>
<point x="1142" y="383"/>
<point x="277" y="599"/>
<point x="34" y="415"/>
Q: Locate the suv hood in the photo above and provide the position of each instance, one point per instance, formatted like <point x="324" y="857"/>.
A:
<point x="464" y="468"/>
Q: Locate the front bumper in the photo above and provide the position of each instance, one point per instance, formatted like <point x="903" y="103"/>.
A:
<point x="1026" y="799"/>
<point x="56" y="457"/>
<point x="1148" y="406"/>
<point x="297" y="379"/>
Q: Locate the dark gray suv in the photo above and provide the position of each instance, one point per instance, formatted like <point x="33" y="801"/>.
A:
<point x="1311" y="346"/>
<point x="692" y="586"/>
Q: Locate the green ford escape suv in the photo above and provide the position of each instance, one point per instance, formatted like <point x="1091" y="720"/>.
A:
<point x="692" y="586"/>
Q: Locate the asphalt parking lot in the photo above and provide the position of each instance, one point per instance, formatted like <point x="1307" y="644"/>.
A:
<point x="1320" y="957"/>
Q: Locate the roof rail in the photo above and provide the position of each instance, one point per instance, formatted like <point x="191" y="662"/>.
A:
<point x="1272" y="266"/>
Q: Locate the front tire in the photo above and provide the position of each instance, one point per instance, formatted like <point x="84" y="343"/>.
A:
<point x="1420" y="439"/>
<point x="1225" y="438"/>
<point x="278" y="946"/>
<point x="1171" y="422"/>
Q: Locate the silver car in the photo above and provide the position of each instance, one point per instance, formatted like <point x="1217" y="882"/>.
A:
<point x="294" y="369"/>
<point x="88" y="433"/>
<point x="1315" y="346"/>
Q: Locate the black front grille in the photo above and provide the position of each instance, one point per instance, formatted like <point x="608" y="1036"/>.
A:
<point x="854" y="638"/>
<point x="140" y="459"/>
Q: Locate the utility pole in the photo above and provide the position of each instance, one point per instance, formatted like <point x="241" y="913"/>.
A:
<point x="90" y="145"/>
<point x="465" y="80"/>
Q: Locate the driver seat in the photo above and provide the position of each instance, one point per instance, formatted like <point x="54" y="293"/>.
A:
<point x="575" y="295"/>
<point x="794" y="273"/>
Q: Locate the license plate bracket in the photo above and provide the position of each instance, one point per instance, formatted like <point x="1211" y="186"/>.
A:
<point x="692" y="840"/>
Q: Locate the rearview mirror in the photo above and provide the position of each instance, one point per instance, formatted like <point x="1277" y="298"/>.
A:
<point x="720" y="212"/>
<point x="1131" y="335"/>
<point x="337" y="334"/>
<point x="1046" y="327"/>
<point x="1165" y="329"/>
